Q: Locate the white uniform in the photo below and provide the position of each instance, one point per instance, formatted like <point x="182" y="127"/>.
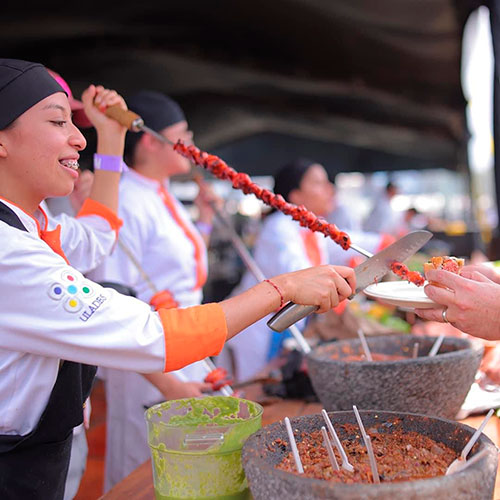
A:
<point x="282" y="246"/>
<point x="49" y="312"/>
<point x="166" y="254"/>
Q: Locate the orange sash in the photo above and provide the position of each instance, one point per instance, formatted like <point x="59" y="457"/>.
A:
<point x="312" y="248"/>
<point x="201" y="271"/>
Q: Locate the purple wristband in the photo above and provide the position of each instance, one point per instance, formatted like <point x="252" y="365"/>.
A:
<point x="109" y="162"/>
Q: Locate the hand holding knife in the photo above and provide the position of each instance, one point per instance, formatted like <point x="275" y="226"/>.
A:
<point x="368" y="272"/>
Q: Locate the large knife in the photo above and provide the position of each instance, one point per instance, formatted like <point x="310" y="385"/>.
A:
<point x="368" y="272"/>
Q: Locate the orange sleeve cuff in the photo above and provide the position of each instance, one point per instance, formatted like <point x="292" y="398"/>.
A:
<point x="192" y="334"/>
<point x="92" y="207"/>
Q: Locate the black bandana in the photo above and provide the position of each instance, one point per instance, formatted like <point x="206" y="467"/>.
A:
<point x="22" y="85"/>
<point x="158" y="112"/>
<point x="289" y="176"/>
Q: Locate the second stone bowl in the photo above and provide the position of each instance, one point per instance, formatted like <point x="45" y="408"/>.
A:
<point x="427" y="385"/>
<point x="261" y="455"/>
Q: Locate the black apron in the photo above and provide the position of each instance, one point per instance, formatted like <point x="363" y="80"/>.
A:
<point x="35" y="466"/>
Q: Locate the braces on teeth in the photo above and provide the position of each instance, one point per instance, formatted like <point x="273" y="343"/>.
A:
<point x="73" y="164"/>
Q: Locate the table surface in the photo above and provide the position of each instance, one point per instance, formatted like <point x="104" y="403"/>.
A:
<point x="139" y="484"/>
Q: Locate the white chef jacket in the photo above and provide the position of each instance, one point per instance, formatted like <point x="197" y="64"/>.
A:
<point x="167" y="256"/>
<point x="280" y="248"/>
<point x="49" y="311"/>
<point x="99" y="239"/>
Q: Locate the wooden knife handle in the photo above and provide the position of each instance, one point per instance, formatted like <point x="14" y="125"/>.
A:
<point x="289" y="315"/>
<point x="126" y="118"/>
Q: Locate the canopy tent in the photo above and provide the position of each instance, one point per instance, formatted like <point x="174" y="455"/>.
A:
<point x="358" y="85"/>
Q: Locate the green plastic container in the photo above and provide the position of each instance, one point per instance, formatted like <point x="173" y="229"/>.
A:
<point x="196" y="446"/>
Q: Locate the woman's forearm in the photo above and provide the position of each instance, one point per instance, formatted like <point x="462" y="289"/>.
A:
<point x="322" y="286"/>
<point x="244" y="309"/>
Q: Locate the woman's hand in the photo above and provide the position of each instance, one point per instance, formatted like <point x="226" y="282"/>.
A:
<point x="324" y="286"/>
<point x="472" y="302"/>
<point x="95" y="101"/>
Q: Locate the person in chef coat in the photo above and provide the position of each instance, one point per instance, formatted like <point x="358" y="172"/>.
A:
<point x="162" y="255"/>
<point x="281" y="246"/>
<point x="56" y="325"/>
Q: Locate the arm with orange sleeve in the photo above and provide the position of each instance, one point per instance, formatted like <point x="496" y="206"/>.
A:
<point x="205" y="328"/>
<point x="67" y="316"/>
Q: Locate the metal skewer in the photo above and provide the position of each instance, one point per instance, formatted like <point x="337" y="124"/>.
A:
<point x="135" y="123"/>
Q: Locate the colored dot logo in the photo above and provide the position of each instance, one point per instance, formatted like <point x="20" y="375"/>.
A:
<point x="73" y="305"/>
<point x="56" y="291"/>
<point x="72" y="289"/>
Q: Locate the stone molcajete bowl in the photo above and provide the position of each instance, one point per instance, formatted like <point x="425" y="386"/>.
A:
<point x="477" y="481"/>
<point x="427" y="385"/>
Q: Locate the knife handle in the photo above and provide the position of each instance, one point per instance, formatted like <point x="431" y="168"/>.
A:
<point x="289" y="315"/>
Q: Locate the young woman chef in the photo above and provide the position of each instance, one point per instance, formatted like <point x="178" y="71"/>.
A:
<point x="55" y="324"/>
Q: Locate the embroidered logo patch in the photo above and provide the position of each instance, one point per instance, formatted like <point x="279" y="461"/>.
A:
<point x="73" y="292"/>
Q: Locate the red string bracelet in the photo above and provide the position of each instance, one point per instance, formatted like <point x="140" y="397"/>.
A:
<point x="282" y="300"/>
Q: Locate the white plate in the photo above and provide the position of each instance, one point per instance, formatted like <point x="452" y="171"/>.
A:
<point x="401" y="294"/>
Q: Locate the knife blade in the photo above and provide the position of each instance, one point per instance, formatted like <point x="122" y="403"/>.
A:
<point x="368" y="272"/>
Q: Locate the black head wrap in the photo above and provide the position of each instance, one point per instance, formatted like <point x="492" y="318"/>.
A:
<point x="289" y="176"/>
<point x="22" y="85"/>
<point x="158" y="112"/>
